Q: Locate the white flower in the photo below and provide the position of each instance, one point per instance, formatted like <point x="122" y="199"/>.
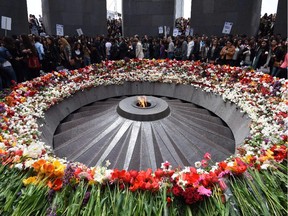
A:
<point x="34" y="150"/>
<point x="19" y="166"/>
<point x="197" y="164"/>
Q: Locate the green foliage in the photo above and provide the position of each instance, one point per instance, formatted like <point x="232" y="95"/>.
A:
<point x="255" y="193"/>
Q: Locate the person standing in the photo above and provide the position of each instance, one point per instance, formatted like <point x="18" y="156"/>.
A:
<point x="65" y="53"/>
<point x="213" y="54"/>
<point x="227" y="53"/>
<point x="108" y="46"/>
<point x="263" y="56"/>
<point x="184" y="48"/>
<point x="52" y="57"/>
<point x="77" y="55"/>
<point x="123" y="48"/>
<point x="30" y="55"/>
<point x="162" y="50"/>
<point x="277" y="57"/>
<point x="7" y="72"/>
<point x="170" y="50"/>
<point x="40" y="49"/>
<point x="190" y="47"/>
<point x="139" y="49"/>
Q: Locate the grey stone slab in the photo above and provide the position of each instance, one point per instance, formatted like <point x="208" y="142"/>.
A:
<point x="281" y="19"/>
<point x="17" y="11"/>
<point x="208" y="16"/>
<point x="89" y="15"/>
<point x="145" y="16"/>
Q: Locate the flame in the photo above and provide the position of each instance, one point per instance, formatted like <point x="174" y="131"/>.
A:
<point x="142" y="101"/>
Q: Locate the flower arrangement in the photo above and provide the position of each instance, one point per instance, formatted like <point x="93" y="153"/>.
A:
<point x="250" y="182"/>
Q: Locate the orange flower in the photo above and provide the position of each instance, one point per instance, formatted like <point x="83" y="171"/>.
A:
<point x="38" y="164"/>
<point x="47" y="168"/>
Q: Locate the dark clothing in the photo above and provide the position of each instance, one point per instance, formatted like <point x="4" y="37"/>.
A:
<point x="213" y="54"/>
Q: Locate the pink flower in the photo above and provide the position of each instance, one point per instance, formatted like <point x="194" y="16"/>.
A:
<point x="204" y="163"/>
<point x="207" y="156"/>
<point x="203" y="191"/>
<point x="222" y="185"/>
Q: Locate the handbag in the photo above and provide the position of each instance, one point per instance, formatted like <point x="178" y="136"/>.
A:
<point x="34" y="63"/>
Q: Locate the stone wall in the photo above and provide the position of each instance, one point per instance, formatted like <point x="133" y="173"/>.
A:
<point x="281" y="19"/>
<point x="89" y="15"/>
<point x="208" y="16"/>
<point x="17" y="10"/>
<point x="145" y="16"/>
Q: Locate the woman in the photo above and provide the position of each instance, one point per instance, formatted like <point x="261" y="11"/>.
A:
<point x="238" y="50"/>
<point x="227" y="53"/>
<point x="77" y="56"/>
<point x="263" y="56"/>
<point x="213" y="54"/>
<point x="52" y="57"/>
<point x="30" y="56"/>
<point x="65" y="53"/>
<point x="277" y="56"/>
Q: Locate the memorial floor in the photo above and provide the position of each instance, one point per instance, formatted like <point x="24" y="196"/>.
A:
<point x="96" y="133"/>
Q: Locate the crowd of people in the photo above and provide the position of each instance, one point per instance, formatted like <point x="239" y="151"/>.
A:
<point x="114" y="27"/>
<point x="182" y="24"/>
<point x="25" y="57"/>
<point x="266" y="26"/>
<point x="36" y="26"/>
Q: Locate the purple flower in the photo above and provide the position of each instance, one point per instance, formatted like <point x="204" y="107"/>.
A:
<point x="51" y="211"/>
<point x="86" y="198"/>
<point x="68" y="174"/>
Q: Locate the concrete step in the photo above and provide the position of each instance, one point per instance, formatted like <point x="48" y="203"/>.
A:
<point x="205" y="125"/>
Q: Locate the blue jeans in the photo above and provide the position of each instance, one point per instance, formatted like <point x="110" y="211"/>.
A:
<point x="87" y="61"/>
<point x="274" y="71"/>
<point x="170" y="55"/>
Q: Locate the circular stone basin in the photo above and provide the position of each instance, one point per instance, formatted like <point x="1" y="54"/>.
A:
<point x="156" y="109"/>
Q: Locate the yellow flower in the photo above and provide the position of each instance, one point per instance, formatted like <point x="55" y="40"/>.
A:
<point x="59" y="168"/>
<point x="30" y="180"/>
<point x="247" y="158"/>
<point x="269" y="154"/>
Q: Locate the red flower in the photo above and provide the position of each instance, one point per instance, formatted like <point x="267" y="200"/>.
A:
<point x="191" y="195"/>
<point x="56" y="185"/>
<point x="176" y="190"/>
<point x="121" y="176"/>
<point x="159" y="173"/>
<point x="239" y="167"/>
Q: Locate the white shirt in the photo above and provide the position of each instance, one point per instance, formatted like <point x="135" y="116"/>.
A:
<point x="108" y="47"/>
<point x="190" y="48"/>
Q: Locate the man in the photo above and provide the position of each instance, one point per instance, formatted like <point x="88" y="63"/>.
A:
<point x="170" y="50"/>
<point x="184" y="48"/>
<point x="108" y="46"/>
<point x="40" y="49"/>
<point x="190" y="47"/>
